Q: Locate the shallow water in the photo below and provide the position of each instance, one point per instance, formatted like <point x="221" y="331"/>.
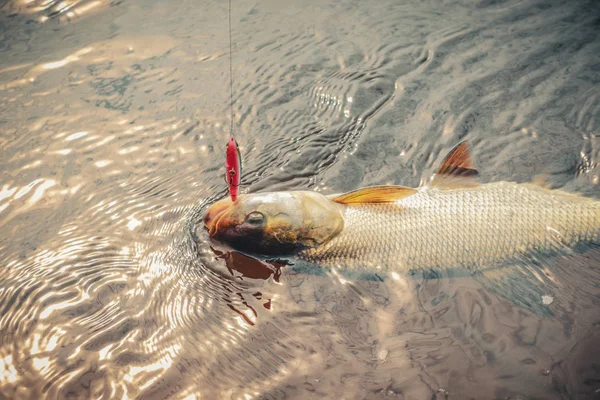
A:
<point x="114" y="117"/>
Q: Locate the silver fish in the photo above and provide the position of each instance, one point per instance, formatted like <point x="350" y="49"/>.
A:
<point x="454" y="222"/>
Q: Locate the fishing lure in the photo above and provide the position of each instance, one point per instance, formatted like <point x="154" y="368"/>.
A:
<point x="233" y="166"/>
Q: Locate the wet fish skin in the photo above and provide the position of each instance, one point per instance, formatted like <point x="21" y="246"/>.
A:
<point x="464" y="227"/>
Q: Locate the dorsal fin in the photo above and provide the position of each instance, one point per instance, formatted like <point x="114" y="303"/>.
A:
<point x="375" y="194"/>
<point x="457" y="168"/>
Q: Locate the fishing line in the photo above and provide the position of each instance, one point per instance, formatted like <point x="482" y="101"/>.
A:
<point x="230" y="73"/>
<point x="233" y="158"/>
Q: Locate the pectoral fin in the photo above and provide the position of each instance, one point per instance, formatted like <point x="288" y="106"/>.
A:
<point x="457" y="169"/>
<point x="375" y="194"/>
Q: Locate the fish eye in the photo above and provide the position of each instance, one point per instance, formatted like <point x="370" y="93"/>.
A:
<point x="255" y="218"/>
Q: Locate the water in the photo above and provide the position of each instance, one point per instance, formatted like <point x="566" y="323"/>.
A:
<point x="114" y="118"/>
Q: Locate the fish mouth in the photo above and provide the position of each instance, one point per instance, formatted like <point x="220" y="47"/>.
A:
<point x="214" y="213"/>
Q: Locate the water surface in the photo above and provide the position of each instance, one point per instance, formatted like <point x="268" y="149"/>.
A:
<point x="114" y="118"/>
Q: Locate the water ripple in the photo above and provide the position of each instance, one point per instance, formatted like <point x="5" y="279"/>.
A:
<point x="114" y="118"/>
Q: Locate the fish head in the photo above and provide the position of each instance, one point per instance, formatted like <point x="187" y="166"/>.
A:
<point x="277" y="223"/>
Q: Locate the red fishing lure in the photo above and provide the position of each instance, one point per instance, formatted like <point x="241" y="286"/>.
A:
<point x="233" y="165"/>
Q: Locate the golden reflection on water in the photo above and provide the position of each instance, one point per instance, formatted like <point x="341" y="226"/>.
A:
<point x="97" y="292"/>
<point x="63" y="10"/>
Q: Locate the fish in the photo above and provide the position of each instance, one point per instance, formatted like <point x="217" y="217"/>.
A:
<point x="495" y="232"/>
<point x="233" y="168"/>
<point x="452" y="222"/>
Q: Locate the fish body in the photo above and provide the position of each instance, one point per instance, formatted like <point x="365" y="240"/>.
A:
<point x="452" y="222"/>
<point x="461" y="227"/>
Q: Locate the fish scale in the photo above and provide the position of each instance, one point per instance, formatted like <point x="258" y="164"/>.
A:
<point x="466" y="227"/>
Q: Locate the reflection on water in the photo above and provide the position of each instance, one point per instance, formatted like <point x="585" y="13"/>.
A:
<point x="113" y="117"/>
<point x="45" y="10"/>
